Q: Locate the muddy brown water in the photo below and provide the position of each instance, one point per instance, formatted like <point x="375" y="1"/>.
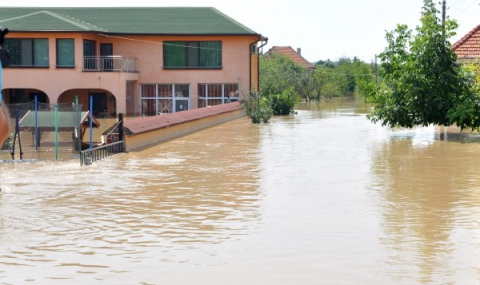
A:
<point x="320" y="197"/>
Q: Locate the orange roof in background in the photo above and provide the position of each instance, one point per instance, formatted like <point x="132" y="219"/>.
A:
<point x="292" y="54"/>
<point x="469" y="45"/>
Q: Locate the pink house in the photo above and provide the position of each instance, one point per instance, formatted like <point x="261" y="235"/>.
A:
<point x="137" y="61"/>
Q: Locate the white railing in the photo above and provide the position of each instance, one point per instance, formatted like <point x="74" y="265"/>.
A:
<point x="89" y="156"/>
<point x="110" y="63"/>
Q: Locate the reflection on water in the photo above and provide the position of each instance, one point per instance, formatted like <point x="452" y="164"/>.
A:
<point x="320" y="197"/>
<point x="428" y="180"/>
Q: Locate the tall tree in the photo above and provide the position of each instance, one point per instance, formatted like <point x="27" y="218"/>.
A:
<point x="422" y="83"/>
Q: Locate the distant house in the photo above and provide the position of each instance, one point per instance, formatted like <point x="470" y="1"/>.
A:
<point x="138" y="61"/>
<point x="468" y="47"/>
<point x="296" y="56"/>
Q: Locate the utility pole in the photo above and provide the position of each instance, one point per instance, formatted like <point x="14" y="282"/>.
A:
<point x="444" y="8"/>
<point x="376" y="70"/>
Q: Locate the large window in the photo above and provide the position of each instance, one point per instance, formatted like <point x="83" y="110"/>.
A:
<point x="65" y="53"/>
<point x="159" y="99"/>
<point x="216" y="94"/>
<point x="28" y="52"/>
<point x="192" y="55"/>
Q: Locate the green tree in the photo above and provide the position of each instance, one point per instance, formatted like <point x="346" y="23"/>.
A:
<point x="282" y="83"/>
<point x="422" y="84"/>
<point x="278" y="73"/>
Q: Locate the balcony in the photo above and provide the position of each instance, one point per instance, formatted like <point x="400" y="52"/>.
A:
<point x="112" y="63"/>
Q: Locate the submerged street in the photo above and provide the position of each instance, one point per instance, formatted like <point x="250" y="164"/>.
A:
<point x="320" y="197"/>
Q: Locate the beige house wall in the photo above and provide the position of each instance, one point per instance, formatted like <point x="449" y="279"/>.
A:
<point x="236" y="61"/>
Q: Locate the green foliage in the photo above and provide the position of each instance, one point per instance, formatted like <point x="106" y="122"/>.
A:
<point x="422" y="84"/>
<point x="277" y="74"/>
<point x="283" y="104"/>
<point x="345" y="76"/>
<point x="258" y="109"/>
<point x="8" y="143"/>
<point x="285" y="83"/>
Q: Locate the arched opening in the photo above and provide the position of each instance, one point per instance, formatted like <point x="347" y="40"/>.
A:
<point x="103" y="101"/>
<point x="20" y="96"/>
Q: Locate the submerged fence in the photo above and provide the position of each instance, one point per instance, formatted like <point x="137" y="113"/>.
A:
<point x="89" y="156"/>
<point x="53" y="126"/>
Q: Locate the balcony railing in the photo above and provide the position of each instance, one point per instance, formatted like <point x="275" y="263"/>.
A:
<point x="109" y="64"/>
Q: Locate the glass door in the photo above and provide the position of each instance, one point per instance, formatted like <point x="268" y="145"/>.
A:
<point x="181" y="97"/>
<point x="89" y="55"/>
<point x="106" y="53"/>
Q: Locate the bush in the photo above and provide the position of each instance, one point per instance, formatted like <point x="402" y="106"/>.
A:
<point x="259" y="109"/>
<point x="283" y="103"/>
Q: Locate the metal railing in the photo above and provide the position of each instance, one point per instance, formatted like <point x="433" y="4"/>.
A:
<point x="110" y="63"/>
<point x="89" y="156"/>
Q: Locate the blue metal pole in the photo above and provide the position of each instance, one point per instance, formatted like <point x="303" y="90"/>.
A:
<point x="91" y="121"/>
<point x="1" y="83"/>
<point x="56" y="132"/>
<point x="36" y="122"/>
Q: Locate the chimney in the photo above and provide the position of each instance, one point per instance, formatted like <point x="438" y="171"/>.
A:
<point x="299" y="51"/>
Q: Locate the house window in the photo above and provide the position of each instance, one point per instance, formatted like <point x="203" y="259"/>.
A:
<point x="216" y="94"/>
<point x="65" y="53"/>
<point x="191" y="55"/>
<point x="28" y="52"/>
<point x="157" y="99"/>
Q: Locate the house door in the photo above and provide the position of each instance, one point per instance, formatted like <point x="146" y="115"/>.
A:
<point x="99" y="104"/>
<point x="89" y="55"/>
<point x="106" y="52"/>
<point x="41" y="97"/>
<point x="181" y="104"/>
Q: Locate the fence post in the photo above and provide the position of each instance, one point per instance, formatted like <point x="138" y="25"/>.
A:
<point x="120" y="131"/>
<point x="91" y="121"/>
<point x="37" y="137"/>
<point x="56" y="132"/>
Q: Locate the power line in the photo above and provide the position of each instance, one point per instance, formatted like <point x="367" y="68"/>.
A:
<point x="170" y="44"/>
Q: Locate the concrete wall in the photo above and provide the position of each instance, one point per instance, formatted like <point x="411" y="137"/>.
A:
<point x="143" y="140"/>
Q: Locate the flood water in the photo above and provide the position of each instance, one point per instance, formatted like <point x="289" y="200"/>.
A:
<point x="320" y="197"/>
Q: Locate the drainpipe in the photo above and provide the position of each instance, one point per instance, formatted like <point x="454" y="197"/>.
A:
<point x="258" y="63"/>
<point x="250" y="59"/>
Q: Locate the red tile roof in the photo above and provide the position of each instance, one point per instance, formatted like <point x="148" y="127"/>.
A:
<point x="469" y="45"/>
<point x="292" y="54"/>
<point x="147" y="124"/>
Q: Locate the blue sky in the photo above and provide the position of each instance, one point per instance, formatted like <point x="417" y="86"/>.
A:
<point x="322" y="29"/>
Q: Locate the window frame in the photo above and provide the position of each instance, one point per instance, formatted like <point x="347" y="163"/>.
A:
<point x="224" y="98"/>
<point x="192" y="50"/>
<point x="57" y="53"/>
<point x="151" y="94"/>
<point x="32" y="50"/>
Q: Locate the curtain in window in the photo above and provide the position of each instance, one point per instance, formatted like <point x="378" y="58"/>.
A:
<point x="165" y="90"/>
<point x="174" y="54"/>
<point x="28" y="52"/>
<point x="215" y="90"/>
<point x="202" y="90"/>
<point x="26" y="58"/>
<point x="148" y="90"/>
<point x="182" y="90"/>
<point x="65" y="52"/>
<point x="40" y="52"/>
<point x="211" y="54"/>
<point x="231" y="90"/>
<point x="13" y="46"/>
<point x="193" y="54"/>
<point x="149" y="107"/>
